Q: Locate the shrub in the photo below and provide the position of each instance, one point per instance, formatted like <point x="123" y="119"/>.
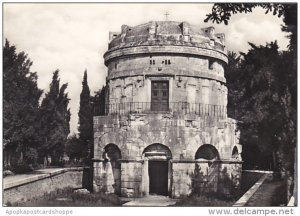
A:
<point x="205" y="200"/>
<point x="22" y="167"/>
<point x="7" y="173"/>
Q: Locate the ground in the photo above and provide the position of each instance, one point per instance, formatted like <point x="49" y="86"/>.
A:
<point x="270" y="193"/>
<point x="66" y="197"/>
<point x="205" y="201"/>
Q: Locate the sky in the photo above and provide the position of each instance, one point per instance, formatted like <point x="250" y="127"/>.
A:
<point x="74" y="37"/>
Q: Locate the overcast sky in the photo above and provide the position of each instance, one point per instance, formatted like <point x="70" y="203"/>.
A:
<point x="74" y="37"/>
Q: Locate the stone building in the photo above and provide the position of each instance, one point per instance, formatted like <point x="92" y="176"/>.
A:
<point x="165" y="130"/>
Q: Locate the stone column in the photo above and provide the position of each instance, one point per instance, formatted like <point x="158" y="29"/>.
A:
<point x="109" y="178"/>
<point x="145" y="178"/>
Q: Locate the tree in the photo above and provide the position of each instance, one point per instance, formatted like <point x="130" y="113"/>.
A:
<point x="269" y="101"/>
<point x="74" y="147"/>
<point x="259" y="103"/>
<point x="263" y="105"/>
<point x="232" y="74"/>
<point x="85" y="115"/>
<point x="20" y="107"/>
<point x="54" y="121"/>
<point x="99" y="101"/>
<point x="221" y="12"/>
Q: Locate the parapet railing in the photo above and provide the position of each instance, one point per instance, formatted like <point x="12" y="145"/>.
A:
<point x="170" y="107"/>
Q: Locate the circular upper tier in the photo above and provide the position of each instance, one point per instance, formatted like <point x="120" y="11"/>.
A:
<point x="166" y="37"/>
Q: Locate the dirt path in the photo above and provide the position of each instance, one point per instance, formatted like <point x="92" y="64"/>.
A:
<point x="269" y="194"/>
<point x="151" y="200"/>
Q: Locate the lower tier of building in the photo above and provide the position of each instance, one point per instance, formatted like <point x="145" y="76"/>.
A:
<point x="166" y="154"/>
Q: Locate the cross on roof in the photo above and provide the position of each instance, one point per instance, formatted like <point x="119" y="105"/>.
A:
<point x="167" y="14"/>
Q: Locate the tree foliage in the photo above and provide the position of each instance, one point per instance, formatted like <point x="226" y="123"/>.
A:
<point x="20" y="104"/>
<point x="54" y="120"/>
<point x="85" y="115"/>
<point x="74" y="147"/>
<point x="221" y="12"/>
<point x="99" y="101"/>
<point x="264" y="90"/>
<point x="260" y="98"/>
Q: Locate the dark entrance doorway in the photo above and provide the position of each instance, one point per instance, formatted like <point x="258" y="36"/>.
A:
<point x="159" y="95"/>
<point x="158" y="177"/>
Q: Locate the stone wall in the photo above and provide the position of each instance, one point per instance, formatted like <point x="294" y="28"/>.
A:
<point x="249" y="178"/>
<point x="230" y="177"/>
<point x="199" y="178"/>
<point x="32" y="189"/>
<point x="187" y="177"/>
<point x="182" y="89"/>
<point x="183" y="135"/>
<point x="131" y="178"/>
<point x="161" y="64"/>
<point x="183" y="174"/>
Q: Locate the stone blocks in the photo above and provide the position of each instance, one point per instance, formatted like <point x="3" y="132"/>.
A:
<point x="131" y="179"/>
<point x="187" y="176"/>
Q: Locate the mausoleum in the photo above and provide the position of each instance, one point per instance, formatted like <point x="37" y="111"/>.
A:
<point x="165" y="130"/>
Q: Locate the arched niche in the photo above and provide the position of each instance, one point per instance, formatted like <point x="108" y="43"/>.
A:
<point x="207" y="152"/>
<point x="207" y="168"/>
<point x="112" y="154"/>
<point x="235" y="153"/>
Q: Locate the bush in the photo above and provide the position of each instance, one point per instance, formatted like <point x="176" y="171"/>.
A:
<point x="7" y="173"/>
<point x="31" y="155"/>
<point x="22" y="167"/>
<point x="96" y="199"/>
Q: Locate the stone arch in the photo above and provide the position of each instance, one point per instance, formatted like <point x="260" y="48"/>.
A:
<point x="158" y="149"/>
<point x="112" y="154"/>
<point x="207" y="152"/>
<point x="107" y="139"/>
<point x="235" y="153"/>
<point x="207" y="167"/>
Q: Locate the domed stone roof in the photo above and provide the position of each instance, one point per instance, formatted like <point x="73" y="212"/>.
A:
<point x="167" y="33"/>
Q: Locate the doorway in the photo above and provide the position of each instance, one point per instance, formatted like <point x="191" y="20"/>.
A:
<point x="158" y="177"/>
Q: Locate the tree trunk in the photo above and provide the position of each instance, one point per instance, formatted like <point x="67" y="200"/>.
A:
<point x="276" y="169"/>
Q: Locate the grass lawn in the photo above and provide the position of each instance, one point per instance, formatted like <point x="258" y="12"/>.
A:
<point x="66" y="197"/>
<point x="205" y="200"/>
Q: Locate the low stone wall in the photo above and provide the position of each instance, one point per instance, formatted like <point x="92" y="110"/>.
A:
<point x="249" y="178"/>
<point x="38" y="185"/>
<point x="245" y="198"/>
